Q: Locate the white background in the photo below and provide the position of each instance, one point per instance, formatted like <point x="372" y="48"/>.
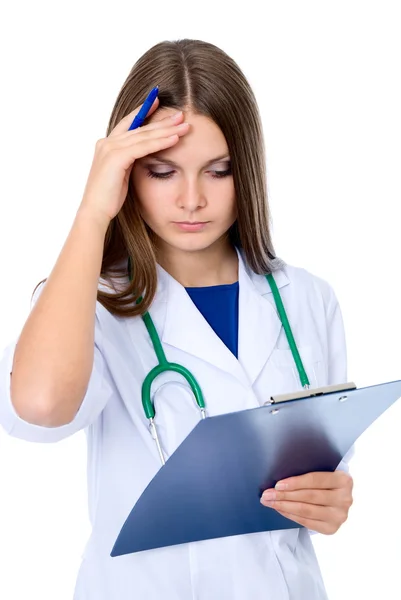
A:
<point x="327" y="78"/>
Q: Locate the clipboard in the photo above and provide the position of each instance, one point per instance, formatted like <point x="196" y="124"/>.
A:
<point x="210" y="487"/>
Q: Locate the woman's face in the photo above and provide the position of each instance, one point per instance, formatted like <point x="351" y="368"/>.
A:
<point x="186" y="192"/>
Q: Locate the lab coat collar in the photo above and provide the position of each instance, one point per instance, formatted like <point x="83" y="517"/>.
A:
<point x="181" y="325"/>
<point x="259" y="324"/>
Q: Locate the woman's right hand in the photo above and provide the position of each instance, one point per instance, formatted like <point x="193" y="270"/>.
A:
<point x="107" y="184"/>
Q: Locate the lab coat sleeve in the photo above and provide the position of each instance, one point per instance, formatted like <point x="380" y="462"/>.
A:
<point x="97" y="394"/>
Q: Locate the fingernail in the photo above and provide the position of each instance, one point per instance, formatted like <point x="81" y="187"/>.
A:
<point x="176" y="116"/>
<point x="281" y="486"/>
<point x="269" y="495"/>
<point x="269" y="503"/>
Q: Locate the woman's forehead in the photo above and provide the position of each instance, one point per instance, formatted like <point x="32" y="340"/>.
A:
<point x="203" y="141"/>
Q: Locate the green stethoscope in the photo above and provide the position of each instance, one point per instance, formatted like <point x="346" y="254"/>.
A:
<point x="164" y="365"/>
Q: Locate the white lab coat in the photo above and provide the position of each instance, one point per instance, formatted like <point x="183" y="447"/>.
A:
<point x="122" y="457"/>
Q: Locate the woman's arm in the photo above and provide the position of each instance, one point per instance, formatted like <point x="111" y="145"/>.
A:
<point x="54" y="355"/>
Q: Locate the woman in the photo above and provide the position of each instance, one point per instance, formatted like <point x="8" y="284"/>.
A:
<point x="174" y="220"/>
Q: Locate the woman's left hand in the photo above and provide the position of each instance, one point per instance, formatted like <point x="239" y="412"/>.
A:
<point x="318" y="501"/>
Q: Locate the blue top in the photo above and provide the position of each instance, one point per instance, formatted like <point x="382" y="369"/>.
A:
<point x="219" y="306"/>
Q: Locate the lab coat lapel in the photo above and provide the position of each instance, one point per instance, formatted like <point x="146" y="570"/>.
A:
<point x="259" y="322"/>
<point x="185" y="328"/>
<point x="181" y="325"/>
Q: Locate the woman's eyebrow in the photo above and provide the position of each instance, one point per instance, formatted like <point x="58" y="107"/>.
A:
<point x="167" y="161"/>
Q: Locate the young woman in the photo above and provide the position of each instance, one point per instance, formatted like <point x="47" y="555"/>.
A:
<point x="174" y="221"/>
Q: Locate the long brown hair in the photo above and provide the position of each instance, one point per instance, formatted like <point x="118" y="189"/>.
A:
<point x="195" y="75"/>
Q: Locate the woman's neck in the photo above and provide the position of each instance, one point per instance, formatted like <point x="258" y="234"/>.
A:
<point x="216" y="265"/>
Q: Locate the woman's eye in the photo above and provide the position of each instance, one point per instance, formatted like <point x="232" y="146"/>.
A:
<point x="168" y="174"/>
<point x="156" y="175"/>
<point x="218" y="174"/>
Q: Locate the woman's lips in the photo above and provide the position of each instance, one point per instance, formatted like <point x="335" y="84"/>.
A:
<point x="191" y="226"/>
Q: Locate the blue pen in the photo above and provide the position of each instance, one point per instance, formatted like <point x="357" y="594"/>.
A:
<point x="141" y="116"/>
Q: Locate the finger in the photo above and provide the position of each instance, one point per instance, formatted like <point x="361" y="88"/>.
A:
<point x="312" y="524"/>
<point x="142" y="136"/>
<point x="175" y="118"/>
<point x="126" y="121"/>
<point x="317" y="480"/>
<point x="318" y="497"/>
<point x="170" y="121"/>
<point x="145" y="147"/>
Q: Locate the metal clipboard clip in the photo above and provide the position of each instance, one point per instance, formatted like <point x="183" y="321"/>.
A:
<point x="330" y="389"/>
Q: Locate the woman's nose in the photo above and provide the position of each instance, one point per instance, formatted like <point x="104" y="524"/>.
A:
<point x="191" y="196"/>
